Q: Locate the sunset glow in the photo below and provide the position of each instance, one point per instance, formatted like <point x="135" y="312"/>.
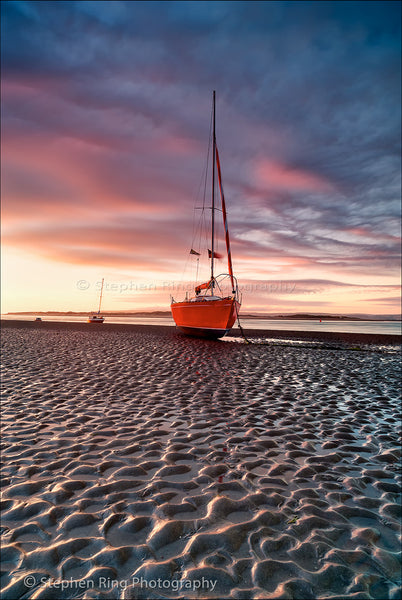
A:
<point x="104" y="141"/>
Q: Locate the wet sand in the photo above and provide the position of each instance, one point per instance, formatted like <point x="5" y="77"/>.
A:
<point x="138" y="463"/>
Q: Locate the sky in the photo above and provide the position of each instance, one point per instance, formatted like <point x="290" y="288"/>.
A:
<point x="106" y="112"/>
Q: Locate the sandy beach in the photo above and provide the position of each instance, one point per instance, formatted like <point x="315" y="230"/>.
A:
<point x="139" y="463"/>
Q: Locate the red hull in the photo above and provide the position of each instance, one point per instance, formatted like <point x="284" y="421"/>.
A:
<point x="206" y="318"/>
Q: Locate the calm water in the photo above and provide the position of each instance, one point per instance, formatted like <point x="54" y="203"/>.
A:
<point x="388" y="327"/>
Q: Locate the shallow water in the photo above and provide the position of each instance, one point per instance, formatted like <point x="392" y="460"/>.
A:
<point x="375" y="327"/>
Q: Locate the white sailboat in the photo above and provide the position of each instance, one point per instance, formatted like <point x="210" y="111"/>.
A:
<point x="97" y="317"/>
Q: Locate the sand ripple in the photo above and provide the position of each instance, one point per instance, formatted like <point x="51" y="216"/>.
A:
<point x="271" y="471"/>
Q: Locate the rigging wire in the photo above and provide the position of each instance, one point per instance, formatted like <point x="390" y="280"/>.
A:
<point x="199" y="226"/>
<point x="200" y="241"/>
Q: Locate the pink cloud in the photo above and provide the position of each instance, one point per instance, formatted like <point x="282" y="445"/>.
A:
<point x="47" y="179"/>
<point x="141" y="245"/>
<point x="83" y="162"/>
<point x="272" y="174"/>
<point x="368" y="233"/>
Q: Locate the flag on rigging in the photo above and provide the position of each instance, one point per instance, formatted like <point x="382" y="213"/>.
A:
<point x="216" y="254"/>
<point x="194" y="252"/>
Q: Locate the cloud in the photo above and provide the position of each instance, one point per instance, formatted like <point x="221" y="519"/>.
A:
<point x="277" y="176"/>
<point x="115" y="244"/>
<point x="394" y="301"/>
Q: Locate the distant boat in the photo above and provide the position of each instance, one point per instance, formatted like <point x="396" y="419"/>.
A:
<point x="38" y="319"/>
<point x="212" y="312"/>
<point x="97" y="318"/>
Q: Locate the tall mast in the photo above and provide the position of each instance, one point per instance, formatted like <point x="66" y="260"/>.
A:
<point x="213" y="196"/>
<point x="100" y="299"/>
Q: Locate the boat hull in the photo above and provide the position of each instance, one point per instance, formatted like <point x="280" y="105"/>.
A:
<point x="205" y="318"/>
<point x="95" y="319"/>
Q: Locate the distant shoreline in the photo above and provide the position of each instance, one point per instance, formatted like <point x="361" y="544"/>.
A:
<point x="325" y="336"/>
<point x="164" y="314"/>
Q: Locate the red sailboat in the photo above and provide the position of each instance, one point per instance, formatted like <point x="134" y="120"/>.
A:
<point x="213" y="310"/>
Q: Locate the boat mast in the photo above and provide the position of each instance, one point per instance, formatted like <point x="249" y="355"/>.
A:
<point x="100" y="299"/>
<point x="213" y="198"/>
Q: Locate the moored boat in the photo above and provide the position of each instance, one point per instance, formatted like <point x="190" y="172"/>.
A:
<point x="97" y="317"/>
<point x="213" y="310"/>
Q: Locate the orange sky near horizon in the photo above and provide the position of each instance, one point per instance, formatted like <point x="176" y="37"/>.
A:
<point x="39" y="284"/>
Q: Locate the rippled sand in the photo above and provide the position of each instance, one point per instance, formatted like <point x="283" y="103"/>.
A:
<point x="136" y="461"/>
